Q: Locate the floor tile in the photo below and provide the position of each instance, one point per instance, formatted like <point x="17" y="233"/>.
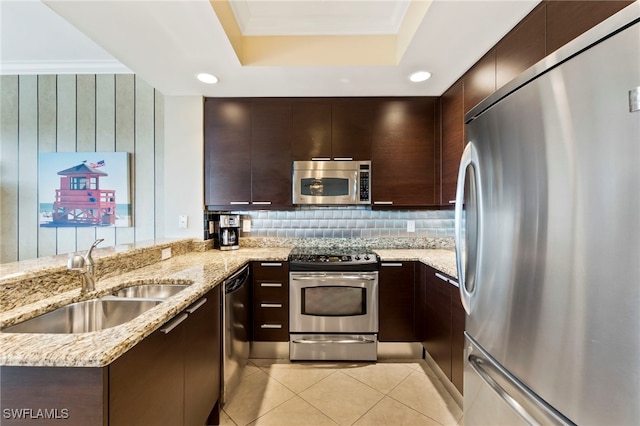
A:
<point x="427" y="395"/>
<point x="390" y="412"/>
<point x="341" y="397"/>
<point x="256" y="395"/>
<point x="294" y="412"/>
<point x="381" y="377"/>
<point x="296" y="376"/>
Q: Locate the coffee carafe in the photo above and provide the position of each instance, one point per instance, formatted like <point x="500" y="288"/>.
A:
<point x="229" y="232"/>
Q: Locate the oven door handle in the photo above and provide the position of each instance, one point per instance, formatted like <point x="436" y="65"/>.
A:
<point x="341" y="277"/>
<point x="348" y="341"/>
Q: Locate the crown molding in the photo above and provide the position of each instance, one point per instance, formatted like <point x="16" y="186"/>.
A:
<point x="63" y="67"/>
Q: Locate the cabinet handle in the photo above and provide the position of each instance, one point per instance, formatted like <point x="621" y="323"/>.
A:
<point x="271" y="264"/>
<point x="174" y="323"/>
<point x="391" y="264"/>
<point x="447" y="280"/>
<point x="272" y="326"/>
<point x="270" y="284"/>
<point x="271" y="305"/>
<point x="261" y="203"/>
<point x="452" y="201"/>
<point x="320" y="158"/>
<point x="343" y="158"/>
<point x="238" y="202"/>
<point x="191" y="309"/>
<point x="385" y="203"/>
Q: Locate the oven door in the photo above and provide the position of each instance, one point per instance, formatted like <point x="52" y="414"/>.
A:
<point x="333" y="302"/>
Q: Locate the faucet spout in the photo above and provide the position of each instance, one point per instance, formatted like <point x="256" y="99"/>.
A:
<point x="86" y="267"/>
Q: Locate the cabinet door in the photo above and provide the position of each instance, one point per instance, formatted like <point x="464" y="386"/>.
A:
<point x="397" y="302"/>
<point x="438" y="321"/>
<point x="270" y="301"/>
<point x="351" y="129"/>
<point x="271" y="157"/>
<point x="146" y="384"/>
<point x="227" y="152"/>
<point x="452" y="110"/>
<point x="202" y="359"/>
<point x="480" y="80"/>
<point x="404" y="162"/>
<point x="457" y="339"/>
<point x="311" y="129"/>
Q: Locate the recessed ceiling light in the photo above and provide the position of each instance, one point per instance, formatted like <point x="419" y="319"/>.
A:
<point x="207" y="78"/>
<point x="419" y="76"/>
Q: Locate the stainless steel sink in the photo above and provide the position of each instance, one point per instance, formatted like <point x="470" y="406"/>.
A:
<point x="150" y="291"/>
<point x="82" y="317"/>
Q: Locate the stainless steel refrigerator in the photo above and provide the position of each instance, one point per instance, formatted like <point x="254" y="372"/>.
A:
<point x="548" y="238"/>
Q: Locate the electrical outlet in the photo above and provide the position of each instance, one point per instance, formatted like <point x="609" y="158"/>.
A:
<point x="411" y="226"/>
<point x="166" y="253"/>
<point x="183" y="221"/>
<point x="246" y="225"/>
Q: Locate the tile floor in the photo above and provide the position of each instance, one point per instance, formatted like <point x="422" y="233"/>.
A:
<point x="390" y="393"/>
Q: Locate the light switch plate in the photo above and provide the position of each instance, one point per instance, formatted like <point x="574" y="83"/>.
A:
<point x="411" y="226"/>
<point x="183" y="221"/>
<point x="246" y="225"/>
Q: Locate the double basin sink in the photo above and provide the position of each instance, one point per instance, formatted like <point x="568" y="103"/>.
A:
<point x="101" y="313"/>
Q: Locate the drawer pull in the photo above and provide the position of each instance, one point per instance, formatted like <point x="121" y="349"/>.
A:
<point x="173" y="324"/>
<point x="445" y="279"/>
<point x="271" y="326"/>
<point x="191" y="309"/>
<point x="383" y="203"/>
<point x="270" y="284"/>
<point x="268" y="264"/>
<point x="391" y="264"/>
<point x="262" y="203"/>
<point x="234" y="203"/>
<point x="271" y="305"/>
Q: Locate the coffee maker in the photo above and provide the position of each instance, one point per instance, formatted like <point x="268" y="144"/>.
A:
<point x="228" y="231"/>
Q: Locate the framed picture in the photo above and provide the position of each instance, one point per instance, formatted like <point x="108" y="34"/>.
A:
<point x="80" y="189"/>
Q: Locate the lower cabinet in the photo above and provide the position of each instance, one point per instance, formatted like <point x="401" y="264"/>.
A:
<point x="443" y="323"/>
<point x="172" y="377"/>
<point x="397" y="300"/>
<point x="270" y="301"/>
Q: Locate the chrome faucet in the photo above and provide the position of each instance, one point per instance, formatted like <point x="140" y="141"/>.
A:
<point x="86" y="267"/>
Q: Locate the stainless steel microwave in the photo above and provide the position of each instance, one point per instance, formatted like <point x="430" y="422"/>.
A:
<point x="331" y="182"/>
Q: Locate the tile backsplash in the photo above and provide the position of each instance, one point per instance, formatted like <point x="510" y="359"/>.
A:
<point x="343" y="222"/>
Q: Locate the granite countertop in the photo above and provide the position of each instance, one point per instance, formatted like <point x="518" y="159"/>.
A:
<point x="202" y="270"/>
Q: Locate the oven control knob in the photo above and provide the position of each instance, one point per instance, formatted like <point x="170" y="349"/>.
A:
<point x="366" y="257"/>
<point x="357" y="257"/>
<point x="345" y="258"/>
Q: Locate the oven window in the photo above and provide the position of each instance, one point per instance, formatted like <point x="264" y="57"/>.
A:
<point x="335" y="301"/>
<point x="325" y="187"/>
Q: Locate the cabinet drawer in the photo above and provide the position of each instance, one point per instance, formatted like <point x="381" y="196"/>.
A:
<point x="271" y="271"/>
<point x="271" y="331"/>
<point x="271" y="315"/>
<point x="271" y="291"/>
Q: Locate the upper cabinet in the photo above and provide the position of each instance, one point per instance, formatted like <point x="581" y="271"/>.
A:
<point x="452" y="110"/>
<point x="247" y="153"/>
<point x="227" y="152"/>
<point x="331" y="129"/>
<point x="404" y="160"/>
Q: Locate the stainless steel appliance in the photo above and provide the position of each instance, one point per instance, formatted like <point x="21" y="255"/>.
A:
<point x="228" y="231"/>
<point x="333" y="304"/>
<point x="331" y="182"/>
<point x="236" y="308"/>
<point x="548" y="238"/>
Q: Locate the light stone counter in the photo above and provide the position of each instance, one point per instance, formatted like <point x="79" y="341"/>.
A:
<point x="203" y="270"/>
<point x="442" y="259"/>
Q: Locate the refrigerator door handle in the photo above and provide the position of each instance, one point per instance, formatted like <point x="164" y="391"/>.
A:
<point x="467" y="252"/>
<point x="524" y="402"/>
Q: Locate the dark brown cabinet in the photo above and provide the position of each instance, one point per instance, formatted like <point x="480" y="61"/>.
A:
<point x="397" y="306"/>
<point x="404" y="152"/>
<point x="271" y="153"/>
<point x="227" y="152"/>
<point x="443" y="316"/>
<point x="452" y="110"/>
<point x="522" y="47"/>
<point x="312" y="129"/>
<point x="351" y="127"/>
<point x="270" y="301"/>
<point x="480" y="80"/>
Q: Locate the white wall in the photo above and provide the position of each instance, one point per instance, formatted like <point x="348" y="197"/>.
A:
<point x="183" y="166"/>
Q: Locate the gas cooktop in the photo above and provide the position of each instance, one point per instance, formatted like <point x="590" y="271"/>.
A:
<point x="333" y="258"/>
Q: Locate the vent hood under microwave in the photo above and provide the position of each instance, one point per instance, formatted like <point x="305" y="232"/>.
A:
<point x="331" y="182"/>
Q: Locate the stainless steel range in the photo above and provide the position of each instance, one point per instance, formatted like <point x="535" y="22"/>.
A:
<point x="333" y="313"/>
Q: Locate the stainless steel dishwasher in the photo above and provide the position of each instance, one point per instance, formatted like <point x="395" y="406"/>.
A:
<point x="236" y="321"/>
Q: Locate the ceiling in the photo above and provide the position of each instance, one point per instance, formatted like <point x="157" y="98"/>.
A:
<point x="258" y="48"/>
